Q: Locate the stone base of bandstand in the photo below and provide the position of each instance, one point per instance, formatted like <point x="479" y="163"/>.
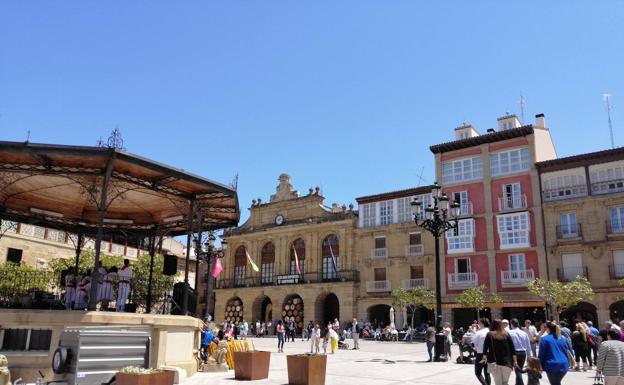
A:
<point x="174" y="338"/>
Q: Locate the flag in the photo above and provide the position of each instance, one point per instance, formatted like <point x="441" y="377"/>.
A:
<point x="253" y="265"/>
<point x="334" y="263"/>
<point x="296" y="260"/>
<point x="217" y="269"/>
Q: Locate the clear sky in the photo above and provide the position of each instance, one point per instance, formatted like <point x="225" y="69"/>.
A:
<point x="347" y="95"/>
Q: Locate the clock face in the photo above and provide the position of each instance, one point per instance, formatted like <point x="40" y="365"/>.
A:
<point x="279" y="219"/>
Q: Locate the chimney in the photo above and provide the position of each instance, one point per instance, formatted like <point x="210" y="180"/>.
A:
<point x="508" y="122"/>
<point x="540" y="121"/>
<point x="465" y="131"/>
<point x="491" y="130"/>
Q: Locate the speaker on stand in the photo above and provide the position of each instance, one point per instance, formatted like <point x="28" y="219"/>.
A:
<point x="170" y="265"/>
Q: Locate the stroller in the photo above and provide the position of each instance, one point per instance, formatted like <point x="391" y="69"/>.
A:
<point x="341" y="342"/>
<point x="467" y="352"/>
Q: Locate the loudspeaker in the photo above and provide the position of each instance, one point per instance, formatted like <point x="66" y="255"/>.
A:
<point x="170" y="265"/>
<point x="178" y="298"/>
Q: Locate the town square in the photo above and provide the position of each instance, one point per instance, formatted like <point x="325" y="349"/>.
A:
<point x="311" y="193"/>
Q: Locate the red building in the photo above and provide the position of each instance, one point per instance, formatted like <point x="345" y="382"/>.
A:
<point x="500" y="239"/>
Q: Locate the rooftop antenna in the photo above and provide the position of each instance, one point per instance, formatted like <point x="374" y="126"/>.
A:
<point x="607" y="99"/>
<point x="234" y="183"/>
<point x="28" y="136"/>
<point x="522" y="103"/>
<point x="420" y="178"/>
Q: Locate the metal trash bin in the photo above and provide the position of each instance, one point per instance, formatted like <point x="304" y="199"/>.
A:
<point x="92" y="355"/>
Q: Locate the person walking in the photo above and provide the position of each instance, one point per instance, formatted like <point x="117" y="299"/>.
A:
<point x="333" y="340"/>
<point x="244" y="330"/>
<point x="580" y="344"/>
<point x="430" y="340"/>
<point x="553" y="353"/>
<point x="315" y="337"/>
<point x="448" y="342"/>
<point x="355" y="334"/>
<point x="531" y="331"/>
<point x="125" y="275"/>
<point x="281" y="335"/>
<point x="611" y="359"/>
<point x="595" y="345"/>
<point x="310" y="328"/>
<point x="499" y="353"/>
<point x="522" y="345"/>
<point x="477" y="340"/>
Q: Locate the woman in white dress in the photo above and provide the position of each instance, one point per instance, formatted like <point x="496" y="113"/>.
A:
<point x="105" y="290"/>
<point x="83" y="289"/>
<point x="70" y="288"/>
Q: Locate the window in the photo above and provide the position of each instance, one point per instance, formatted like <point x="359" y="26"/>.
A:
<point x="462" y="170"/>
<point x="25" y="340"/>
<point x="415" y="239"/>
<point x="368" y="214"/>
<point x="385" y="212"/>
<point x="7" y="227"/>
<point x="380" y="242"/>
<point x="572" y="266"/>
<point x="417" y="272"/>
<point x="299" y="245"/>
<point x="426" y="201"/>
<point x="513" y="230"/>
<point x="461" y="238"/>
<point x="56" y="235"/>
<point x="567" y="222"/>
<point x="330" y="247"/>
<point x="268" y="263"/>
<point x="462" y="265"/>
<point x="617" y="219"/>
<point x="517" y="263"/>
<point x="404" y="209"/>
<point x="240" y="263"/>
<point x="462" y="198"/>
<point x="507" y="162"/>
<point x="14" y="255"/>
<point x="380" y="274"/>
<point x="617" y="271"/>
<point x="609" y="179"/>
<point x="564" y="186"/>
<point x="512" y="197"/>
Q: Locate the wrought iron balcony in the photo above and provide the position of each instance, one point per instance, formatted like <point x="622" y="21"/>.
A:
<point x="607" y="187"/>
<point x="616" y="271"/>
<point x="379" y="253"/>
<point x="461" y="280"/>
<point x="571" y="231"/>
<point x="512" y="203"/>
<point x="307" y="278"/>
<point x="566" y="192"/>
<point x="378" y="286"/>
<point x="409" y="284"/>
<point x="512" y="278"/>
<point x="567" y="274"/>
<point x="414" y="250"/>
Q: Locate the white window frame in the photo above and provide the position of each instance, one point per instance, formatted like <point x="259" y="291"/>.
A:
<point x="457" y="265"/>
<point x="293" y="266"/>
<point x="404" y="210"/>
<point x="616" y="217"/>
<point x="518" y="265"/>
<point x="461" y="239"/>
<point x="239" y="274"/>
<point x="369" y="214"/>
<point x="510" y="162"/>
<point x="461" y="170"/>
<point x="567" y="226"/>
<point x="514" y="230"/>
<point x="386" y="212"/>
<point x="267" y="272"/>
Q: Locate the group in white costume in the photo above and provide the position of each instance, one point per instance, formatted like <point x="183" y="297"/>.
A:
<point x="125" y="275"/>
<point x="78" y="288"/>
<point x="105" y="289"/>
<point x="70" y="288"/>
<point x="83" y="289"/>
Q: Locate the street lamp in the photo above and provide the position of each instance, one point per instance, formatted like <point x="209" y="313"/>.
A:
<point x="209" y="253"/>
<point x="437" y="219"/>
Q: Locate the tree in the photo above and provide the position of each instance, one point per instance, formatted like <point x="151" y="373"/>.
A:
<point x="19" y="279"/>
<point x="6" y="226"/>
<point x="476" y="298"/>
<point x="413" y="299"/>
<point x="562" y="295"/>
<point x="86" y="262"/>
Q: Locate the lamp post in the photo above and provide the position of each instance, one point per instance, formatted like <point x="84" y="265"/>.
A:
<point x="211" y="252"/>
<point x="437" y="219"/>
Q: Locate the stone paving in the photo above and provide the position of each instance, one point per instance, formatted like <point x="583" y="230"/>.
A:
<point x="377" y="363"/>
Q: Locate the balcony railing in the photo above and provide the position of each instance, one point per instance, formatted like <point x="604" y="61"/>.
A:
<point x="378" y="286"/>
<point x="465" y="209"/>
<point x="379" y="253"/>
<point x="569" y="231"/>
<point x="616" y="271"/>
<point x="570" y="273"/>
<point x="307" y="278"/>
<point x="516" y="277"/>
<point x="409" y="284"/>
<point x="567" y="192"/>
<point x="615" y="227"/>
<point x="512" y="203"/>
<point x="607" y="187"/>
<point x="414" y="250"/>
<point x="459" y="280"/>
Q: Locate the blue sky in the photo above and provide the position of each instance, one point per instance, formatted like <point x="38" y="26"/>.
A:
<point x="347" y="95"/>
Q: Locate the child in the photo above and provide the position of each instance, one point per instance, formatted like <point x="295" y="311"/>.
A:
<point x="333" y="339"/>
<point x="315" y="335"/>
<point x="533" y="370"/>
<point x="325" y="341"/>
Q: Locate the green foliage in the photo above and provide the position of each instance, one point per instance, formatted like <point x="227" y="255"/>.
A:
<point x="87" y="261"/>
<point x="17" y="279"/>
<point x="418" y="296"/>
<point x="476" y="298"/>
<point x="562" y="295"/>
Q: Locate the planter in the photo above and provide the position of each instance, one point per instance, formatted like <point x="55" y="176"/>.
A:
<point x="304" y="369"/>
<point x="250" y="366"/>
<point x="158" y="378"/>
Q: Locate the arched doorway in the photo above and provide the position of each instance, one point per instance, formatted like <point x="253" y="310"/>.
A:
<point x="262" y="309"/>
<point x="420" y="315"/>
<point x="293" y="309"/>
<point x="327" y="308"/>
<point x="584" y="311"/>
<point x="379" y="314"/>
<point x="616" y="311"/>
<point x="234" y="310"/>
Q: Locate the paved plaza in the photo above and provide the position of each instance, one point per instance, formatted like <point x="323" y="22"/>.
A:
<point x="376" y="363"/>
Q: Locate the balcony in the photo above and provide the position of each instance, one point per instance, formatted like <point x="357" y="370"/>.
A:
<point x="515" y="278"/>
<point x="615" y="227"/>
<point x="570" y="273"/>
<point x="379" y="253"/>
<point x="414" y="250"/>
<point x="409" y="284"/>
<point x="569" y="232"/>
<point x="567" y="192"/>
<point x="465" y="209"/>
<point x="378" y="286"/>
<point x="512" y="203"/>
<point x="307" y="278"/>
<point x="462" y="280"/>
<point x="616" y="271"/>
<point x="607" y="187"/>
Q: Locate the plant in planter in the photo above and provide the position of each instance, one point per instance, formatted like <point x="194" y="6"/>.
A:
<point x="133" y="375"/>
<point x="306" y="369"/>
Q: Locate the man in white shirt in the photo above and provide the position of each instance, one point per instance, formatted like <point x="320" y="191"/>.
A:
<point x="522" y="345"/>
<point x="532" y="333"/>
<point x="477" y="341"/>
